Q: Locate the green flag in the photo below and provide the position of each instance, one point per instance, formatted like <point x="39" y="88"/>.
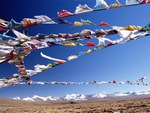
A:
<point x="146" y="28"/>
<point x="87" y="22"/>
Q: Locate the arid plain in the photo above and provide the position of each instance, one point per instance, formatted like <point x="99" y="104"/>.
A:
<point x="136" y="105"/>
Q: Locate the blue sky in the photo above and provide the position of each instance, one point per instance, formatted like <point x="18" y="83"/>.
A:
<point x="121" y="62"/>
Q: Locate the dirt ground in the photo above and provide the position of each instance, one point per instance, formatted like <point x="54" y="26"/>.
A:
<point x="107" y="106"/>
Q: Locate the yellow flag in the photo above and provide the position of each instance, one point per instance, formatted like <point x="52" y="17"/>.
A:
<point x="117" y="4"/>
<point x="49" y="65"/>
<point x="5" y="81"/>
<point x="68" y="43"/>
<point x="24" y="75"/>
<point x="21" y="58"/>
<point x="78" y="23"/>
<point x="2" y="21"/>
<point x="54" y="82"/>
<point x="130" y="28"/>
<point x="89" y="51"/>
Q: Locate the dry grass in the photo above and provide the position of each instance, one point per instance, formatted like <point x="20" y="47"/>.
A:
<point x="112" y="106"/>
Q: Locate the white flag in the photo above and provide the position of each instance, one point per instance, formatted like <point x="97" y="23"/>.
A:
<point x="19" y="35"/>
<point x="45" y="19"/>
<point x="131" y="2"/>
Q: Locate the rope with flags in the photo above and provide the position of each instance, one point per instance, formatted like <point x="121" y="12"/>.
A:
<point x="14" y="49"/>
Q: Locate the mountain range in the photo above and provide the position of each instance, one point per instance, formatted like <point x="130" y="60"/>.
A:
<point x="81" y="97"/>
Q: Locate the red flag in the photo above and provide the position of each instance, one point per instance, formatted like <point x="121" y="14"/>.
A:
<point x="110" y="44"/>
<point x="21" y="69"/>
<point x="2" y="27"/>
<point x="11" y="54"/>
<point x="90" y="44"/>
<point x="114" y="81"/>
<point x="104" y="24"/>
<point x="60" y="62"/>
<point x="64" y="13"/>
<point x="145" y="2"/>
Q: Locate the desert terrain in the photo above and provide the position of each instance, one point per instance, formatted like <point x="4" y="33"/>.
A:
<point x="138" y="105"/>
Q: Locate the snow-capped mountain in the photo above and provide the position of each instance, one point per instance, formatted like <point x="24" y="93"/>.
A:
<point x="118" y="94"/>
<point x="99" y="96"/>
<point x="39" y="98"/>
<point x="75" y="97"/>
<point x="17" y="98"/>
<point x="81" y="97"/>
<point x="28" y="99"/>
<point x="141" y="93"/>
<point x="49" y="98"/>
